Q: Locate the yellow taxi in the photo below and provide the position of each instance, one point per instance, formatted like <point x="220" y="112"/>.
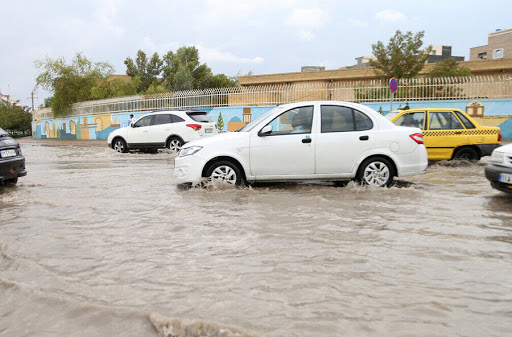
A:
<point x="449" y="133"/>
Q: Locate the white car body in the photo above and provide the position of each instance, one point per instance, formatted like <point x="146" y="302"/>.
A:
<point x="161" y="129"/>
<point x="316" y="154"/>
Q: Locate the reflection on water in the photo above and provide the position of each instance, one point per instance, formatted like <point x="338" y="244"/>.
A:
<point x="94" y="242"/>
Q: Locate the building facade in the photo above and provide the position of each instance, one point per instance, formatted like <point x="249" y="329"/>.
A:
<point x="499" y="46"/>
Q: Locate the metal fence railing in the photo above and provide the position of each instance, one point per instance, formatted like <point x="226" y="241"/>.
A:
<point x="447" y="88"/>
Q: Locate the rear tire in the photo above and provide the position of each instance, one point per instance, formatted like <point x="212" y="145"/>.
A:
<point x="174" y="144"/>
<point x="120" y="146"/>
<point x="376" y="172"/>
<point x="13" y="181"/>
<point x="226" y="171"/>
<point x="466" y="153"/>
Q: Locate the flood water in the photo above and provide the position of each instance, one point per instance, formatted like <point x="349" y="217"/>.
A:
<point x="97" y="243"/>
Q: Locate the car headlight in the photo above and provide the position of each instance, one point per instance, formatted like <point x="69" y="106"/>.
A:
<point x="497" y="157"/>
<point x="189" y="150"/>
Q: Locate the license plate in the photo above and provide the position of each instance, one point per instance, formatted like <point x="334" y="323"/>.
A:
<point x="506" y="178"/>
<point x="7" y="153"/>
<point x="208" y="130"/>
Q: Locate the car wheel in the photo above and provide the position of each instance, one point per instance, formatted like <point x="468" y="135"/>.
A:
<point x="466" y="153"/>
<point x="13" y="180"/>
<point x="225" y="171"/>
<point x="174" y="144"/>
<point x="376" y="172"/>
<point x="120" y="145"/>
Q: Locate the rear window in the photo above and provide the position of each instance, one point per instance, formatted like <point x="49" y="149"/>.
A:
<point x="200" y="116"/>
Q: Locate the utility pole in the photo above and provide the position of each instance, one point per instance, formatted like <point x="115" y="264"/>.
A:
<point x="32" y="96"/>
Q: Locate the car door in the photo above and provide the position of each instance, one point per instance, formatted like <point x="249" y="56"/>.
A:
<point x="160" y="129"/>
<point x="345" y="135"/>
<point x="445" y="133"/>
<point x="139" y="133"/>
<point x="288" y="150"/>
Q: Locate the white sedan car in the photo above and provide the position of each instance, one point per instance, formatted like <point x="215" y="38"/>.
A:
<point x="318" y="140"/>
<point x="162" y="129"/>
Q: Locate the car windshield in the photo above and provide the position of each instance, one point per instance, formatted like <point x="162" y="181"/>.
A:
<point x="200" y="116"/>
<point x="391" y="114"/>
<point x="256" y="121"/>
<point x="3" y="133"/>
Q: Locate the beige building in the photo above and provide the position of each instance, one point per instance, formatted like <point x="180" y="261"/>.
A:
<point x="499" y="46"/>
<point x="496" y="67"/>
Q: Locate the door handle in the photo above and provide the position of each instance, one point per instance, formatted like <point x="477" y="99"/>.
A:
<point x="306" y="140"/>
<point x="364" y="138"/>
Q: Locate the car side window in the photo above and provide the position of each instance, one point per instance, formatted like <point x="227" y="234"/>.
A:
<point x="162" y="119"/>
<point x="294" y="121"/>
<point x="337" y="119"/>
<point x="176" y="119"/>
<point x="363" y="122"/>
<point x="144" y="121"/>
<point x="467" y="123"/>
<point x="444" y="120"/>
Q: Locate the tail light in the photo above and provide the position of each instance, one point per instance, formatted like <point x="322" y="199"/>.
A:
<point x="417" y="137"/>
<point x="499" y="137"/>
<point x="196" y="127"/>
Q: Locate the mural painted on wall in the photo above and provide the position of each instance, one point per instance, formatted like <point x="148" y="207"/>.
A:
<point x="495" y="113"/>
<point x="100" y="126"/>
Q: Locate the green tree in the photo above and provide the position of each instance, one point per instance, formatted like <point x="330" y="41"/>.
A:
<point x="15" y="119"/>
<point x="183" y="79"/>
<point x="220" y="122"/>
<point x="448" y="68"/>
<point x="186" y="57"/>
<point x="402" y="57"/>
<point x="222" y="81"/>
<point x="70" y="83"/>
<point x="115" y="88"/>
<point x="147" y="70"/>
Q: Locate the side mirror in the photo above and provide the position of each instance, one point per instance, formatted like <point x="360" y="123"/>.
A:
<point x="132" y="125"/>
<point x="266" y="130"/>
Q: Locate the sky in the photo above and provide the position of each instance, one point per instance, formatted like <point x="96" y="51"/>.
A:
<point x="233" y="37"/>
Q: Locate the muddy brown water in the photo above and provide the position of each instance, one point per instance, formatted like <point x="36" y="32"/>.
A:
<point x="97" y="243"/>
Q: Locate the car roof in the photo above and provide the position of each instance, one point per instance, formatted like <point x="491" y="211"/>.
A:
<point x="429" y="109"/>
<point x="176" y="111"/>
<point x="3" y="132"/>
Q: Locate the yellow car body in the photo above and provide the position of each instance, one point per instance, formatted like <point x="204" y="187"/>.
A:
<point x="449" y="133"/>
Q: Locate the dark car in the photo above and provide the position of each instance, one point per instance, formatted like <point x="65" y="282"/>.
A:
<point x="12" y="163"/>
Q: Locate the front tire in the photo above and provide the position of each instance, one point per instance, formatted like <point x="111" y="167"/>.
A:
<point x="120" y="146"/>
<point x="227" y="172"/>
<point x="376" y="172"/>
<point x="174" y="144"/>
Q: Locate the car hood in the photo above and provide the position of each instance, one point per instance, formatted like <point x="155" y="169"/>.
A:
<point x="505" y="148"/>
<point x="229" y="137"/>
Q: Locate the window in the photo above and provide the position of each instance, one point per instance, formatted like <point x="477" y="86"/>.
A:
<point x="497" y="53"/>
<point x="482" y="56"/>
<point x="444" y="120"/>
<point x="363" y="122"/>
<point x="341" y="119"/>
<point x="177" y="119"/>
<point x="162" y="119"/>
<point x="144" y="121"/>
<point x="294" y="121"/>
<point x="337" y="119"/>
<point x="467" y="123"/>
<point x="200" y="116"/>
<point x="414" y="119"/>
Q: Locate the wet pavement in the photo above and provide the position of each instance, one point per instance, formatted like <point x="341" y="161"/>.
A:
<point x="93" y="242"/>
